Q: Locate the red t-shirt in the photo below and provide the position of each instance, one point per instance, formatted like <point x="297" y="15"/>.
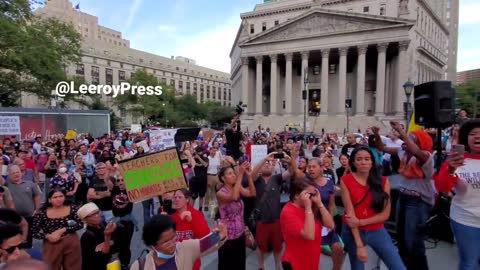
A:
<point x="299" y="252"/>
<point x="357" y="192"/>
<point x="29" y="164"/>
<point x="196" y="229"/>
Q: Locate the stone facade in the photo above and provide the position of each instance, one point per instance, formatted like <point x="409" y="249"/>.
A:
<point x="360" y="50"/>
<point x="107" y="58"/>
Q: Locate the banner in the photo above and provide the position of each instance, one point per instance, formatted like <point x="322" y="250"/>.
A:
<point x="259" y="152"/>
<point x="162" y="139"/>
<point x="152" y="175"/>
<point x="9" y="125"/>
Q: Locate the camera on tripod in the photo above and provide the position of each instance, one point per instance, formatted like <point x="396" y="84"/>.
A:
<point x="240" y="108"/>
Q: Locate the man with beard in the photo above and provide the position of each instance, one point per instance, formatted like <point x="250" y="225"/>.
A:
<point x="267" y="209"/>
<point x="348" y="148"/>
<point x="198" y="183"/>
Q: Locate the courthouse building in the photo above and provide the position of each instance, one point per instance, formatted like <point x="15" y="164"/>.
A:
<point x="107" y="58"/>
<point x="364" y="50"/>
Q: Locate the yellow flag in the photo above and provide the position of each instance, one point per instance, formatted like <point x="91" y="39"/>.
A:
<point x="71" y="134"/>
<point x="115" y="265"/>
<point x="412" y="126"/>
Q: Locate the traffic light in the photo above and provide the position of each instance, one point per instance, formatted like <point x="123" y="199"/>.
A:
<point x="348" y="103"/>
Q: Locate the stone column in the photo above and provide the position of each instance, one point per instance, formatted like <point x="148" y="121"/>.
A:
<point x="360" y="98"/>
<point x="259" y="88"/>
<point x="245" y="81"/>
<point x="380" y="89"/>
<point x="305" y="55"/>
<point x="402" y="76"/>
<point x="324" y="83"/>
<point x="342" y="80"/>
<point x="273" y="84"/>
<point x="288" y="84"/>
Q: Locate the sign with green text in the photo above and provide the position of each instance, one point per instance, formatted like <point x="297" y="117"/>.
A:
<point x="152" y="175"/>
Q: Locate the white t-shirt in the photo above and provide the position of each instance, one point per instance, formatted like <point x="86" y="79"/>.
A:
<point x="391" y="144"/>
<point x="465" y="208"/>
<point x="213" y="164"/>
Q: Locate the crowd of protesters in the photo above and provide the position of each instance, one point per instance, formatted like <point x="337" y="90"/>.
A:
<point x="70" y="195"/>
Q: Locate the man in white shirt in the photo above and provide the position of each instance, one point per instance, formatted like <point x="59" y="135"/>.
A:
<point x="37" y="146"/>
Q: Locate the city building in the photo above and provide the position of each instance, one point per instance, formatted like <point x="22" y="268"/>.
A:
<point x="468" y="75"/>
<point x="107" y="58"/>
<point x="349" y="49"/>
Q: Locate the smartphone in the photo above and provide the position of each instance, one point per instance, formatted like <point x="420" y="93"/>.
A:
<point x="243" y="159"/>
<point x="209" y="241"/>
<point x="279" y="156"/>
<point x="459" y="148"/>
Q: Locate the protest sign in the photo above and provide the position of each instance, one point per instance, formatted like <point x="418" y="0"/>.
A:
<point x="152" y="175"/>
<point x="144" y="145"/>
<point x="135" y="128"/>
<point x="259" y="152"/>
<point x="9" y="125"/>
<point x="162" y="139"/>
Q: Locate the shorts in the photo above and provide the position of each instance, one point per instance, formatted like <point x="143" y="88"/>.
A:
<point x="198" y="187"/>
<point x="269" y="235"/>
<point x="330" y="239"/>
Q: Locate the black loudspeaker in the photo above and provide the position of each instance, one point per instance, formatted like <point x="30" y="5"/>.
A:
<point x="434" y="104"/>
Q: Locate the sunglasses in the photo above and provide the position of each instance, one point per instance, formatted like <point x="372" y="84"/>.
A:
<point x="10" y="250"/>
<point x="120" y="180"/>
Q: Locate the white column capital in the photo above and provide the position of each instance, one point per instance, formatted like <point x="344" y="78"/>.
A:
<point x="273" y="57"/>
<point x="325" y="53"/>
<point x="362" y="49"/>
<point x="305" y="55"/>
<point x="289" y="56"/>
<point x="259" y="59"/>
<point x="403" y="45"/>
<point x="343" y="51"/>
<point x="244" y="60"/>
<point x="382" y="47"/>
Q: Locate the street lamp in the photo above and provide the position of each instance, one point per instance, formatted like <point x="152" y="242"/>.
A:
<point x="164" y="113"/>
<point x="305" y="99"/>
<point x="407" y="106"/>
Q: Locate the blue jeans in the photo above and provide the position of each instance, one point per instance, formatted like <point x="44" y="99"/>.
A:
<point x="380" y="241"/>
<point x="468" y="241"/>
<point x="411" y="217"/>
<point x="148" y="209"/>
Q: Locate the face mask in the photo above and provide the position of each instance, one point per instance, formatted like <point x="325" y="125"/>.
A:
<point x="164" y="256"/>
<point x="167" y="207"/>
<point x="62" y="170"/>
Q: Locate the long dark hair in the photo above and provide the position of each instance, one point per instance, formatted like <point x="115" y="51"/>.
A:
<point x="374" y="180"/>
<point x="52" y="191"/>
<point x="465" y="129"/>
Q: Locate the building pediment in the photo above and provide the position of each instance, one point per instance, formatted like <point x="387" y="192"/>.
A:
<point x="321" y="22"/>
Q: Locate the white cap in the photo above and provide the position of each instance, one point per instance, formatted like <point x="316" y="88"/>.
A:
<point x="87" y="210"/>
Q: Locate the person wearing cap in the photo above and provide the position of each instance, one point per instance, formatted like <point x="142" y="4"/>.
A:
<point x="417" y="193"/>
<point x="98" y="240"/>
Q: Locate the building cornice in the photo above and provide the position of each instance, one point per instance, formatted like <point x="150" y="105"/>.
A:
<point x="434" y="16"/>
<point x="270" y="11"/>
<point x="431" y="56"/>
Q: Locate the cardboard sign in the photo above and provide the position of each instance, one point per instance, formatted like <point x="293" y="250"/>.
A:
<point x="207" y="135"/>
<point x="152" y="175"/>
<point x="144" y="145"/>
<point x="9" y="125"/>
<point x="259" y="152"/>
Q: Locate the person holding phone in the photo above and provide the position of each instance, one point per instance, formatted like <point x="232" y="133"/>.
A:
<point x="301" y="222"/>
<point x="459" y="173"/>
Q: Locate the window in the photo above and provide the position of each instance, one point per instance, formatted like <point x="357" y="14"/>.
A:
<point x="141" y="60"/>
<point x="108" y="63"/>
<point x="95" y="60"/>
<point x="80" y="70"/>
<point x="177" y="68"/>
<point x="188" y="85"/>
<point x="277" y="22"/>
<point x="164" y="80"/>
<point x="180" y="84"/>
<point x="172" y="82"/>
<point x="383" y="9"/>
<point x="224" y="93"/>
<point x="264" y="26"/>
<point x="350" y="10"/>
<point x="229" y="95"/>
<point x="366" y="9"/>
<point x="252" y="29"/>
<point x="121" y="75"/>
<point x="109" y="76"/>
<point x="132" y="74"/>
<point x="121" y="65"/>
<point x="184" y="70"/>
<point x="95" y="75"/>
<point x="214" y="92"/>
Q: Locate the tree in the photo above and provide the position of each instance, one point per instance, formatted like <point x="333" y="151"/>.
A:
<point x="468" y="97"/>
<point x="34" y="52"/>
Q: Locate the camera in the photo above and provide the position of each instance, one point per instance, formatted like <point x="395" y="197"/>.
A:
<point x="239" y="108"/>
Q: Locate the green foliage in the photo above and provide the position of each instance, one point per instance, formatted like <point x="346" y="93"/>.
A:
<point x="168" y="109"/>
<point x="34" y="52"/>
<point x="468" y="97"/>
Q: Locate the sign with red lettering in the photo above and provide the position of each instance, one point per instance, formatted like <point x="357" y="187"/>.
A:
<point x="152" y="175"/>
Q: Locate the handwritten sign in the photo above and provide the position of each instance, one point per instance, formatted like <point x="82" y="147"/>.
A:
<point x="152" y="175"/>
<point x="259" y="152"/>
<point x="9" y="125"/>
<point x="162" y="139"/>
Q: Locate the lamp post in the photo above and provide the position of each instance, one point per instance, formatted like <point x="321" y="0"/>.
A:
<point x="165" y="113"/>
<point x="407" y="106"/>
<point x="305" y="99"/>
